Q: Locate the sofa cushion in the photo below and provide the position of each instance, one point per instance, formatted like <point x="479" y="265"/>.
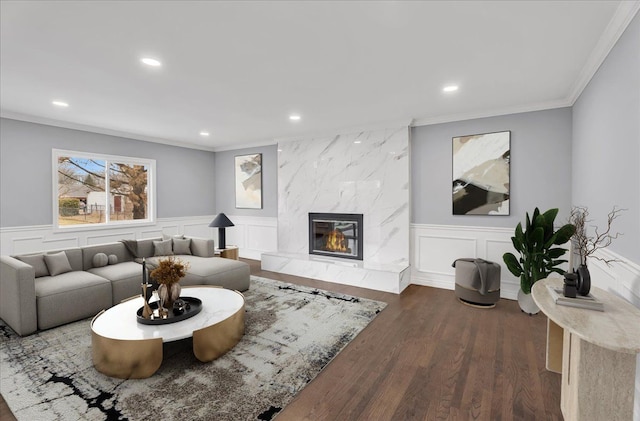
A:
<point x="125" y="278"/>
<point x="118" y="249"/>
<point x="37" y="261"/>
<point x="145" y="247"/>
<point x="99" y="260"/>
<point x="162" y="248"/>
<point x="112" y="259"/>
<point x="119" y="272"/>
<point x="57" y="263"/>
<point x="182" y="246"/>
<point x="228" y="273"/>
<point x="203" y="247"/>
<point x="69" y="297"/>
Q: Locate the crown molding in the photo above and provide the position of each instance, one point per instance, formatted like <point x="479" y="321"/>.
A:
<point x="449" y="118"/>
<point x="625" y="12"/>
<point x="348" y="130"/>
<point x="247" y="145"/>
<point x="101" y="130"/>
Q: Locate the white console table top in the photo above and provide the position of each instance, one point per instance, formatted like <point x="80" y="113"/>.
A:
<point x="617" y="328"/>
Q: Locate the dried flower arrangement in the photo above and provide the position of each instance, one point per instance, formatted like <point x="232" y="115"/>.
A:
<point x="169" y="271"/>
<point x="586" y="244"/>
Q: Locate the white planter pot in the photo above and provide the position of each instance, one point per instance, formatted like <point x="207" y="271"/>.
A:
<point x="527" y="304"/>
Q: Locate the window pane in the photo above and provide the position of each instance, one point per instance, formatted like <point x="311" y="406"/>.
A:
<point x="81" y="191"/>
<point x="128" y="187"/>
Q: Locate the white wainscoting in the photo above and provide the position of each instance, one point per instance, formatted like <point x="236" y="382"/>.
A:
<point x="253" y="235"/>
<point x="435" y="247"/>
<point x="26" y="239"/>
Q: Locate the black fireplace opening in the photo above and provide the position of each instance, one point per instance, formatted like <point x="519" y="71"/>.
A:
<point x="336" y="235"/>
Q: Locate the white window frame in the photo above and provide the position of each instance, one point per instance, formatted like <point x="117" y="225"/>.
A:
<point x="151" y="189"/>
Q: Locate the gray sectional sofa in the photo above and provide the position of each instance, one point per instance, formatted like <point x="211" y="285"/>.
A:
<point x="44" y="290"/>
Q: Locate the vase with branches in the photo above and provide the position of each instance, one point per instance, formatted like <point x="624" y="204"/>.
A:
<point x="587" y="244"/>
<point x="168" y="274"/>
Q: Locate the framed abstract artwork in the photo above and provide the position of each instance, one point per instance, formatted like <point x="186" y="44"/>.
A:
<point x="481" y="174"/>
<point x="248" y="181"/>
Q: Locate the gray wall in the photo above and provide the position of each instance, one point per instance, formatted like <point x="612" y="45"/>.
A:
<point x="25" y="171"/>
<point x="225" y="192"/>
<point x="540" y="167"/>
<point x="606" y="143"/>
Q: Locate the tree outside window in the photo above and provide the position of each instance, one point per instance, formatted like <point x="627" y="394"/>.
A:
<point x="82" y="198"/>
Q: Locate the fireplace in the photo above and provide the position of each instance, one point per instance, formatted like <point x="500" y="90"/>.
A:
<point x="336" y="235"/>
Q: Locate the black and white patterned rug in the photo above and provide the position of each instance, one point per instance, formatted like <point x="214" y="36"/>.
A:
<point x="292" y="332"/>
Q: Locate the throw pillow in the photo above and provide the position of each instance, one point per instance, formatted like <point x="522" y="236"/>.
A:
<point x="162" y="248"/>
<point x="57" y="263"/>
<point x="132" y="246"/>
<point x="182" y="246"/>
<point x="113" y="259"/>
<point x="169" y="237"/>
<point x="99" y="260"/>
<point x="37" y="261"/>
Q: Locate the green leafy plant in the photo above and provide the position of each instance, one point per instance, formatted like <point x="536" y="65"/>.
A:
<point x="536" y="244"/>
<point x="69" y="207"/>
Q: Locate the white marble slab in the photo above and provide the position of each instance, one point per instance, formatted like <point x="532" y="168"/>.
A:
<point x="381" y="277"/>
<point x="120" y="321"/>
<point x="365" y="173"/>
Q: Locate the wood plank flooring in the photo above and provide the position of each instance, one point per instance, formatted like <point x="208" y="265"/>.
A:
<point x="428" y="357"/>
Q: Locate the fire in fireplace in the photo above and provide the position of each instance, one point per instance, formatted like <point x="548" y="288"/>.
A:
<point x="336" y="234"/>
<point x="336" y="241"/>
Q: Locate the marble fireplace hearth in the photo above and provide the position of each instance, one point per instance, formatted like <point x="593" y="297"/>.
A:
<point x="380" y="277"/>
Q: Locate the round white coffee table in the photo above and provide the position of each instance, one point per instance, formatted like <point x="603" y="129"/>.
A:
<point x="124" y="348"/>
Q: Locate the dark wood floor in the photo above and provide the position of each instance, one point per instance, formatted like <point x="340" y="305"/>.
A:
<point x="428" y="357"/>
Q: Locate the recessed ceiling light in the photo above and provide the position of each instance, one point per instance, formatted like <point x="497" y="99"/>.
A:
<point x="294" y="117"/>
<point x="357" y="141"/>
<point x="151" y="61"/>
<point x="204" y="134"/>
<point x="450" y="88"/>
<point x="60" y="103"/>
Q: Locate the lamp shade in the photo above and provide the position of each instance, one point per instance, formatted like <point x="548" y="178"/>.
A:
<point x="221" y="221"/>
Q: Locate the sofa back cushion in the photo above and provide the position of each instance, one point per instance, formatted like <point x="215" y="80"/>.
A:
<point x="118" y="249"/>
<point x="37" y="261"/>
<point x="145" y="247"/>
<point x="74" y="255"/>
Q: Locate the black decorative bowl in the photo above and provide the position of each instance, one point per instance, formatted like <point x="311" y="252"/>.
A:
<point x="183" y="308"/>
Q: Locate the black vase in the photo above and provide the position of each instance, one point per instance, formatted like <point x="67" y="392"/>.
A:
<point x="584" y="280"/>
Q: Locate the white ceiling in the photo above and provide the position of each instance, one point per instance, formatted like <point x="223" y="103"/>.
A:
<point x="239" y="69"/>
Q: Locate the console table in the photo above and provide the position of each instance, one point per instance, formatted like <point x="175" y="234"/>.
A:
<point x="595" y="352"/>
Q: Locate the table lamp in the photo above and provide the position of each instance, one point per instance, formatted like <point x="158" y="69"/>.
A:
<point x="221" y="222"/>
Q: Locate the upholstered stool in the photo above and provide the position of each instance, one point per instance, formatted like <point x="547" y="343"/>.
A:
<point x="477" y="282"/>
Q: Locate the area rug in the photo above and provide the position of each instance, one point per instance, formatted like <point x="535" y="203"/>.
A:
<point x="292" y="332"/>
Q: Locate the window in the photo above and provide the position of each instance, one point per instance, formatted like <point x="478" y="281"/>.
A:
<point x="99" y="190"/>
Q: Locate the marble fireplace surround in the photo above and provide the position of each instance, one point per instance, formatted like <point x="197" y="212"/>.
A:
<point x="365" y="172"/>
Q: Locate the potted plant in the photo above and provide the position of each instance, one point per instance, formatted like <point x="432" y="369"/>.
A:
<point x="539" y="256"/>
<point x="587" y="245"/>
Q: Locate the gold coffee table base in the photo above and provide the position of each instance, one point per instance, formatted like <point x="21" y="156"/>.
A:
<point x="126" y="359"/>
<point x="214" y="341"/>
